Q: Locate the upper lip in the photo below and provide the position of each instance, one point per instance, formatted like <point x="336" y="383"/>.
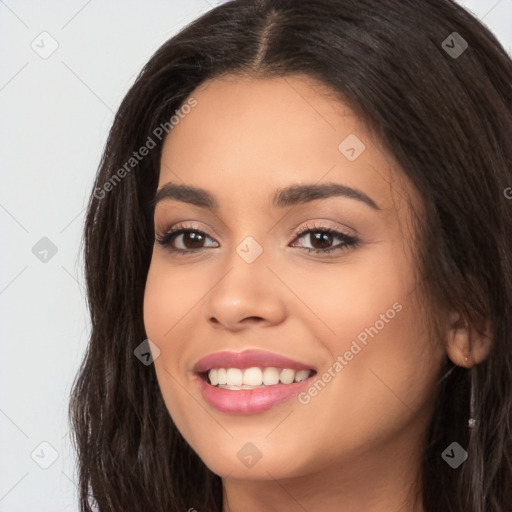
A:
<point x="247" y="359"/>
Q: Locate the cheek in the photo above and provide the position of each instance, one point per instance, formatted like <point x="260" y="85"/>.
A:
<point x="169" y="295"/>
<point x="163" y="305"/>
<point x="376" y="324"/>
<point x="340" y="301"/>
<point x="385" y="378"/>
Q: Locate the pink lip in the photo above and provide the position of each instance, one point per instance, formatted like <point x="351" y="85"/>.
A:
<point x="247" y="359"/>
<point x="248" y="401"/>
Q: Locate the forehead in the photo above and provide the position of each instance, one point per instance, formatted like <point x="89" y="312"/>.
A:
<point x="235" y="116"/>
<point x="257" y="135"/>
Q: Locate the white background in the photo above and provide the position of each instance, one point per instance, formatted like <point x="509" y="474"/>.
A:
<point x="55" y="114"/>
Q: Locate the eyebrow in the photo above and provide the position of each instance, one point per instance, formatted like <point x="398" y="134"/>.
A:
<point x="289" y="196"/>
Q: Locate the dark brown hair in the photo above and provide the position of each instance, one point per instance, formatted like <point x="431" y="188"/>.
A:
<point x="445" y="118"/>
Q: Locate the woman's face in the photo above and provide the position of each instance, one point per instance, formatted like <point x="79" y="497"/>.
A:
<point x="273" y="159"/>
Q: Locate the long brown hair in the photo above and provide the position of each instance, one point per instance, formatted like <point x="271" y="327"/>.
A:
<point x="447" y="120"/>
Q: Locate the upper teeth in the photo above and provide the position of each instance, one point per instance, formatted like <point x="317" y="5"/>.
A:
<point x="251" y="377"/>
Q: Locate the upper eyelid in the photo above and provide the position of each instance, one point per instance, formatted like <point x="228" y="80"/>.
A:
<point x="347" y="241"/>
<point x="299" y="232"/>
<point x="164" y="227"/>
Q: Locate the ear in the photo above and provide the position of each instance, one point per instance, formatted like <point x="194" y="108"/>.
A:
<point x="468" y="341"/>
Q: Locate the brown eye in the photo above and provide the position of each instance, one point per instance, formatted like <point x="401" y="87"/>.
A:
<point x="184" y="240"/>
<point x="322" y="239"/>
<point x="191" y="240"/>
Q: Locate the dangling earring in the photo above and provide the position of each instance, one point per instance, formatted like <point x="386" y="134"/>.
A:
<point x="472" y="421"/>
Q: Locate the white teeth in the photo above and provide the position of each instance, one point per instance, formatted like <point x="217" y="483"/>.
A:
<point x="270" y="376"/>
<point x="234" y="377"/>
<point x="301" y="375"/>
<point x="250" y="378"/>
<point x="243" y="386"/>
<point x="253" y="377"/>
<point x="214" y="377"/>
<point x="221" y="376"/>
<point x="287" y="376"/>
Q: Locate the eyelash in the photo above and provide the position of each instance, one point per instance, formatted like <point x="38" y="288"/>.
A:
<point x="347" y="241"/>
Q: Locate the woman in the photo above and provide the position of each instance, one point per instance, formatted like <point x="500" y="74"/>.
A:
<point x="298" y="259"/>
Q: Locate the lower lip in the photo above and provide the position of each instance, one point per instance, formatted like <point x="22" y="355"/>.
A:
<point x="249" y="401"/>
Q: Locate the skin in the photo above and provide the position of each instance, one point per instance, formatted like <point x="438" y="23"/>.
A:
<point x="356" y="445"/>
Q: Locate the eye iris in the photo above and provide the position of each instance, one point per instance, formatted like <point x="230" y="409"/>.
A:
<point x="194" y="240"/>
<point x="324" y="239"/>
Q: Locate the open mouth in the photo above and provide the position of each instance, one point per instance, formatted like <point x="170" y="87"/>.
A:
<point x="251" y="381"/>
<point x="254" y="377"/>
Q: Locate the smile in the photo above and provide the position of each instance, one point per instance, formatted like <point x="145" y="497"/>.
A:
<point x="255" y="377"/>
<point x="250" y="382"/>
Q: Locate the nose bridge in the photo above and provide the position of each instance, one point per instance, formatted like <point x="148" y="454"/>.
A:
<point x="250" y="250"/>
<point x="245" y="288"/>
<point x="246" y="271"/>
<point x="248" y="237"/>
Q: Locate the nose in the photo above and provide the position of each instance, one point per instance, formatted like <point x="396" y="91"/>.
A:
<point x="248" y="294"/>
